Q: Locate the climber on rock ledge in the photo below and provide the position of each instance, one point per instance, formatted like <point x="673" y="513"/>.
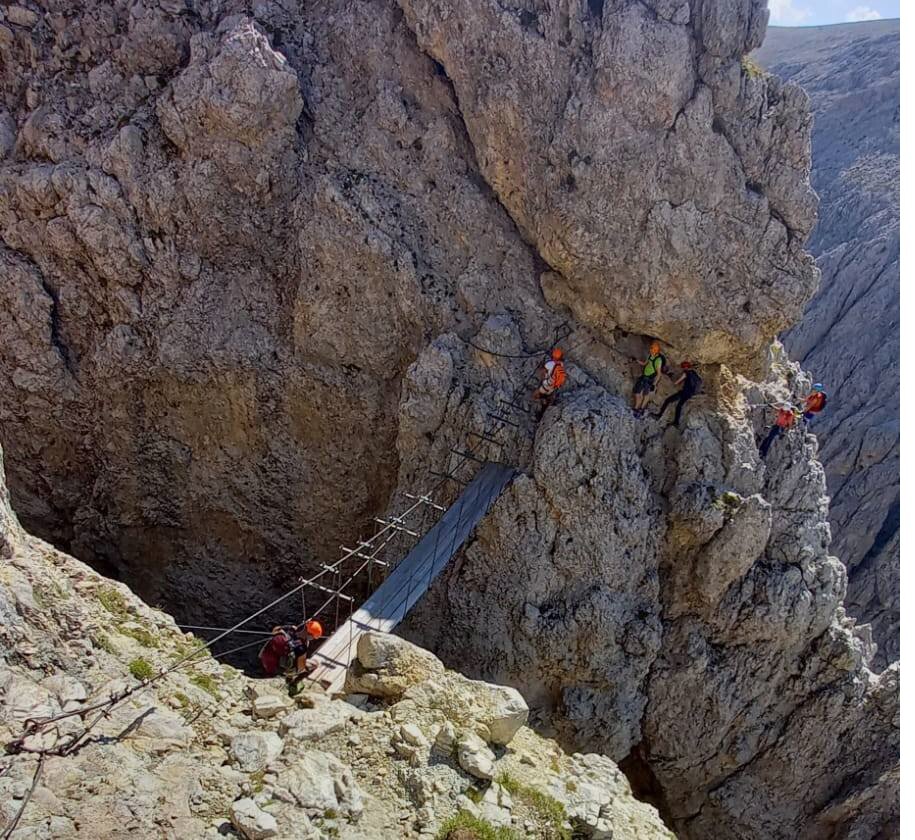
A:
<point x="691" y="382"/>
<point x="647" y="382"/>
<point x="784" y="420"/>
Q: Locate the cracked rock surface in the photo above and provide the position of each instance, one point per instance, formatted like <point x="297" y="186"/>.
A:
<point x="227" y="228"/>
<point x="669" y="597"/>
<point x="244" y="247"/>
<point x="850" y="332"/>
<point x="191" y="756"/>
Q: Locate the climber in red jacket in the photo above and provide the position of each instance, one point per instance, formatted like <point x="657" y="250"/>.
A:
<point x="287" y="650"/>
<point x="784" y="420"/>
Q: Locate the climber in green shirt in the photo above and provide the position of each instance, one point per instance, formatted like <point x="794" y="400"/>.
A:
<point x="648" y="381"/>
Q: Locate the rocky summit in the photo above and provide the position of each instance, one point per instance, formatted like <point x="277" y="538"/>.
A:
<point x="265" y="265"/>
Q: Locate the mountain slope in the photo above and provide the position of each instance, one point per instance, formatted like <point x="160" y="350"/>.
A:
<point x="849" y="337"/>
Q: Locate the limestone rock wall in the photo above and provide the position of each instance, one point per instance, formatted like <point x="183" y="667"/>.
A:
<point x="223" y="240"/>
<point x="244" y="248"/>
<point x="667" y="595"/>
<point x="850" y="332"/>
<point x="228" y="228"/>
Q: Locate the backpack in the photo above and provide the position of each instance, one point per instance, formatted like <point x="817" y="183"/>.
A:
<point x="559" y="375"/>
<point x="693" y="381"/>
<point x="658" y="363"/>
<point x="273" y="654"/>
<point x="822" y="402"/>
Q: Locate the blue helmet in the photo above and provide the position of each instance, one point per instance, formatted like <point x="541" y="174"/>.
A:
<point x="818" y="387"/>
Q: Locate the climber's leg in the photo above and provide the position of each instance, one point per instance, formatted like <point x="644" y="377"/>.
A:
<point x="774" y="432"/>
<point x="683" y="397"/>
<point x="666" y="403"/>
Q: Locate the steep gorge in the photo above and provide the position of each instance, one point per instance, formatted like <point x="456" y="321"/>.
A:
<point x="852" y="75"/>
<point x="244" y="245"/>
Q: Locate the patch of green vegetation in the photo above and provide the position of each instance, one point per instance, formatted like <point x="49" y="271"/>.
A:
<point x="183" y="699"/>
<point x="727" y="501"/>
<point x="549" y="811"/>
<point x="206" y="682"/>
<point x="751" y="67"/>
<point x="474" y="794"/>
<point x="140" y="669"/>
<point x="465" y="826"/>
<point x="571" y="787"/>
<point x="141" y="635"/>
<point x="330" y="814"/>
<point x="102" y="641"/>
<point x="554" y="764"/>
<point x="185" y="649"/>
<point x="114" y="602"/>
<point x="257" y="781"/>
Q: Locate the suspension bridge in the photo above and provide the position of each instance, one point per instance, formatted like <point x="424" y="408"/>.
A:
<point x="482" y="481"/>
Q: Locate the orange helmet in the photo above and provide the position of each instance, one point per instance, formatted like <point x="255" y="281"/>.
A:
<point x="556" y="354"/>
<point x="314" y="628"/>
<point x="654" y="348"/>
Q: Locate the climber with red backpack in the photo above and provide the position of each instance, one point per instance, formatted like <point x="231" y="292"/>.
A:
<point x="287" y="650"/>
<point x="552" y="376"/>
<point x="815" y="403"/>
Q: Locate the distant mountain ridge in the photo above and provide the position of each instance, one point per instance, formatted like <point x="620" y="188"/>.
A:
<point x="849" y="337"/>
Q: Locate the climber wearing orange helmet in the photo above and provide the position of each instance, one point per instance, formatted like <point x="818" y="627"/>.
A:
<point x="287" y="650"/>
<point x="648" y="380"/>
<point x="552" y="375"/>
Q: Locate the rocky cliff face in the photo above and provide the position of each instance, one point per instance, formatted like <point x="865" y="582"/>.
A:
<point x="206" y="752"/>
<point x="247" y="244"/>
<point x="226" y="237"/>
<point x="666" y="595"/>
<point x="850" y="333"/>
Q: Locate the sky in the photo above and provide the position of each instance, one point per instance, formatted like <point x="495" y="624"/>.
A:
<point x="818" y="12"/>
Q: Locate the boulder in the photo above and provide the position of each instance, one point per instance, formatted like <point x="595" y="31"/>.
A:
<point x="389" y="665"/>
<point x="314" y="724"/>
<point x="319" y="782"/>
<point x="475" y="757"/>
<point x="254" y="751"/>
<point x="252" y="822"/>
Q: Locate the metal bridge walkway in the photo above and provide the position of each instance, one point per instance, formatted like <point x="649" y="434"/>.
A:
<point x="408" y="582"/>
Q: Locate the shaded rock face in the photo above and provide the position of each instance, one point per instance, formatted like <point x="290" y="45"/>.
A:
<point x="212" y="285"/>
<point x="226" y="235"/>
<point x="666" y="595"/>
<point x="849" y="336"/>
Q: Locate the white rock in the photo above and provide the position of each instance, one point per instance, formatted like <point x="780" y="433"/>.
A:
<point x="251" y="821"/>
<point x="445" y="738"/>
<point x="320" y="781"/>
<point x="412" y="734"/>
<point x="253" y="751"/>
<point x="393" y="664"/>
<point x="269" y="705"/>
<point x="314" y="724"/>
<point x="475" y="757"/>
